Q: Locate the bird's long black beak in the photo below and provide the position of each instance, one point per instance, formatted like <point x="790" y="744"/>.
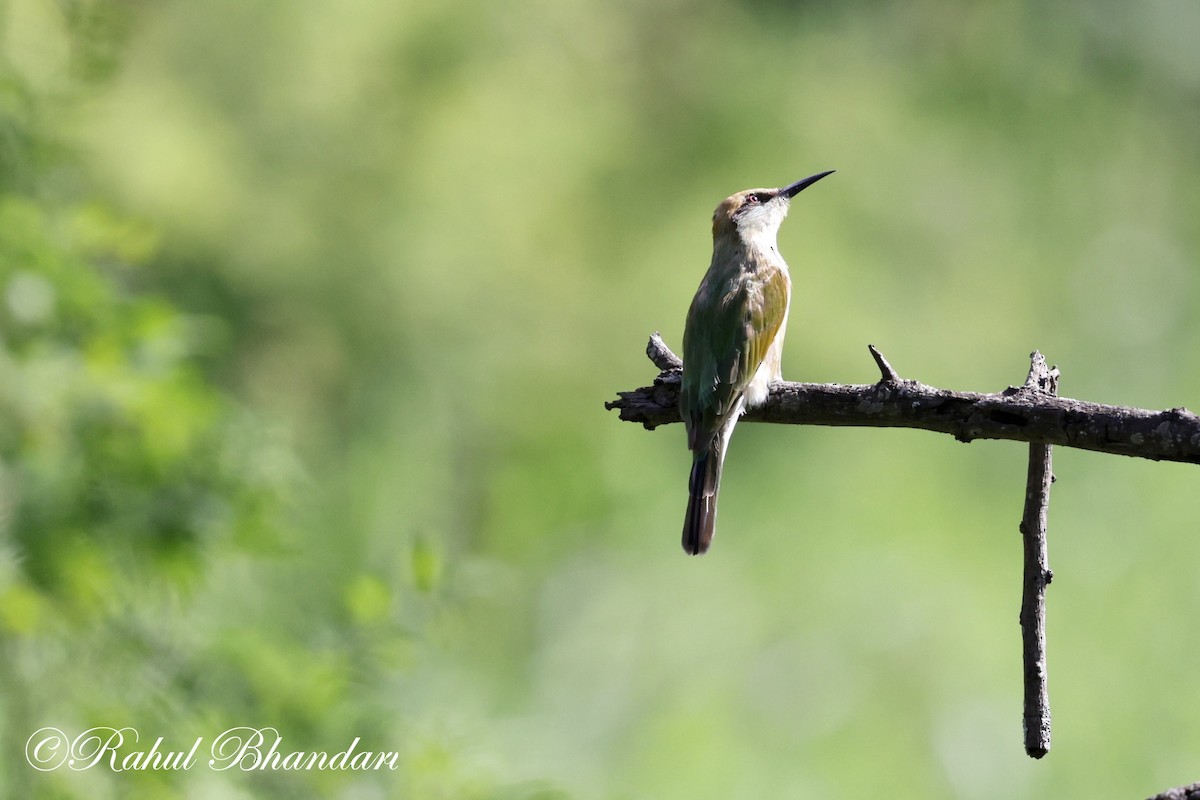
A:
<point x="799" y="186"/>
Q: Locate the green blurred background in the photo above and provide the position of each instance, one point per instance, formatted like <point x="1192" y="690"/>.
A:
<point x="309" y="311"/>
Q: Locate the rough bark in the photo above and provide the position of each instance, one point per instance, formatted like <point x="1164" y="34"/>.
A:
<point x="1190" y="792"/>
<point x="1018" y="413"/>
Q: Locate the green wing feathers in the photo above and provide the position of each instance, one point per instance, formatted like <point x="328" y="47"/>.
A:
<point x="731" y="324"/>
<point x="766" y="312"/>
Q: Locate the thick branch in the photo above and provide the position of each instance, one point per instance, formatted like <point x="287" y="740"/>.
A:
<point x="1017" y="413"/>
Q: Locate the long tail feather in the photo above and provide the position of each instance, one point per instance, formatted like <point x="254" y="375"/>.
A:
<point x="699" y="524"/>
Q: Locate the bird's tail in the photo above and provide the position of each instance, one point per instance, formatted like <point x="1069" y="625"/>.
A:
<point x="700" y="522"/>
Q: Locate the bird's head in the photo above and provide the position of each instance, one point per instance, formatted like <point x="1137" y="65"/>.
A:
<point x="756" y="214"/>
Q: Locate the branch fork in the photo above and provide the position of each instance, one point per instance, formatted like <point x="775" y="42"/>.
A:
<point x="1032" y="413"/>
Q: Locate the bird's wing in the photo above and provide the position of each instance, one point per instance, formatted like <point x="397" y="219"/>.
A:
<point x="729" y="330"/>
<point x="766" y="309"/>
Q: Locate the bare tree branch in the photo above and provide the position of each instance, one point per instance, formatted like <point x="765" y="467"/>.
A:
<point x="1018" y="413"/>
<point x="1032" y="413"/>
<point x="1037" y="574"/>
<point x="1190" y="792"/>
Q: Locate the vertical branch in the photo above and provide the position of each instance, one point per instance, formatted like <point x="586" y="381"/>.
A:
<point x="1037" y="575"/>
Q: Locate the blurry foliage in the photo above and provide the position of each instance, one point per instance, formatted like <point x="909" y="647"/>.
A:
<point x="308" y="311"/>
<point x="114" y="446"/>
<point x="123" y="470"/>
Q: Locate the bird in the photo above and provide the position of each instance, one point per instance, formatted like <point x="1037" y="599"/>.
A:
<point x="733" y="340"/>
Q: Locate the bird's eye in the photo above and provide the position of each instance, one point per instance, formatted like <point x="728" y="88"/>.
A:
<point x="752" y="199"/>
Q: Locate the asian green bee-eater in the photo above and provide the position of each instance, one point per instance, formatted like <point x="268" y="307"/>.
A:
<point x="733" y="339"/>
